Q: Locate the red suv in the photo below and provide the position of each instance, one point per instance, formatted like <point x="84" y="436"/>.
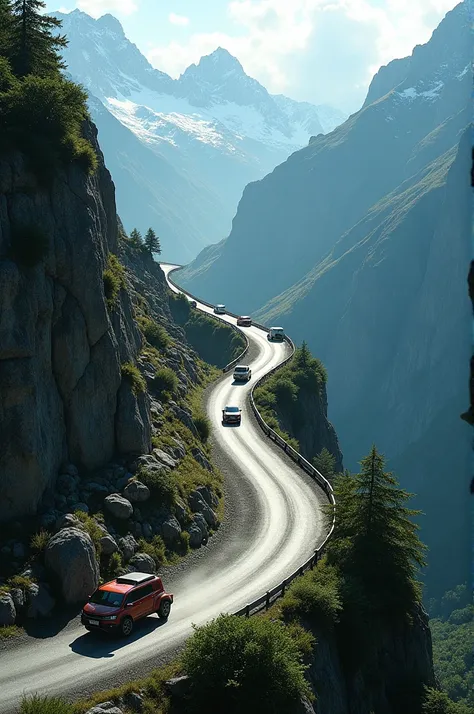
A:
<point x="116" y="605"/>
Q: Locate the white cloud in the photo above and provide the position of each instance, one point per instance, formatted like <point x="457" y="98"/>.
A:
<point x="272" y="36"/>
<point x="178" y="19"/>
<point x="97" y="8"/>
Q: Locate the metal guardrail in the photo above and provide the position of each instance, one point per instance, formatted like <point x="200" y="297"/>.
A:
<point x="264" y="601"/>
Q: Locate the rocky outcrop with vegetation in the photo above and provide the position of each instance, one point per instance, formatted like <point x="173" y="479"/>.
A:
<point x="104" y="461"/>
<point x="293" y="401"/>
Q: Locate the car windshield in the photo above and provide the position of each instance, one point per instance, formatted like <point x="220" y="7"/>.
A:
<point x="241" y="369"/>
<point x="232" y="409"/>
<point x="106" y="597"/>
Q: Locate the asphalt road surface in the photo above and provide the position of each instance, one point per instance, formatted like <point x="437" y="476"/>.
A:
<point x="275" y="524"/>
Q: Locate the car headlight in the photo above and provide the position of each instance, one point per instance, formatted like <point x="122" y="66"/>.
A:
<point x="110" y="617"/>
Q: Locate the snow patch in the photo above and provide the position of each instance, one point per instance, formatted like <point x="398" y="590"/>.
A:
<point x="464" y="72"/>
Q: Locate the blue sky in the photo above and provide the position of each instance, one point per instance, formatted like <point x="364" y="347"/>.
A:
<point x="322" y="51"/>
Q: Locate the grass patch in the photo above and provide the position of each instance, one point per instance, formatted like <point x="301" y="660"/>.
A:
<point x="40" y="540"/>
<point x="161" y="484"/>
<point x="7" y="632"/>
<point x="22" y="582"/>
<point x="155" y="334"/>
<point x="134" y="377"/>
<point x="114" y="280"/>
<point x="315" y="596"/>
<point x="29" y="245"/>
<point x="38" y="704"/>
<point x="165" y="382"/>
<point x="92" y="528"/>
<point x="156" y="549"/>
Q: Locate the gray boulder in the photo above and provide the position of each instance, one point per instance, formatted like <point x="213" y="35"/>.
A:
<point x="143" y="563"/>
<point x="108" y="544"/>
<point x="83" y="507"/>
<point x="134" y="701"/>
<point x="199" y="505"/>
<point x="66" y="521"/>
<point x="180" y="512"/>
<point x="201" y="459"/>
<point x="147" y="531"/>
<point x="178" y="687"/>
<point x="201" y="523"/>
<point x="136" y="492"/>
<point x="171" y="530"/>
<point x="128" y="547"/>
<point x="105" y="708"/>
<point x="7" y="610"/>
<point x="70" y="555"/>
<point x="40" y="601"/>
<point x="164" y="458"/>
<point x="118" y="506"/>
<point x="66" y="484"/>
<point x="195" y="536"/>
<point x="18" y="597"/>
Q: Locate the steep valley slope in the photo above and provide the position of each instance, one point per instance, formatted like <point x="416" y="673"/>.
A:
<point x="359" y="244"/>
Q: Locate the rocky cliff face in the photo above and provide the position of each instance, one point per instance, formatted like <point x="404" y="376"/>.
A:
<point x="387" y="681"/>
<point x="313" y="431"/>
<point x="61" y="349"/>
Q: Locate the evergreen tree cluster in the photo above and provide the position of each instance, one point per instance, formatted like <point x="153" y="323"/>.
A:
<point x="41" y="112"/>
<point x="149" y="244"/>
<point x="375" y="543"/>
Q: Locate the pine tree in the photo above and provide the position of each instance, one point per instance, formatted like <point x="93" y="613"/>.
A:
<point x="5" y="27"/>
<point x="304" y="355"/>
<point x="34" y="46"/>
<point x="325" y="462"/>
<point x="375" y="539"/>
<point x="152" y="242"/>
<point x="136" y="238"/>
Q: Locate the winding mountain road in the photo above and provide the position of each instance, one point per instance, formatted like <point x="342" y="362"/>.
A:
<point x="273" y="524"/>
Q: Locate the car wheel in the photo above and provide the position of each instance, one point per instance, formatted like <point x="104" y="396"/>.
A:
<point x="164" y="609"/>
<point x="126" y="626"/>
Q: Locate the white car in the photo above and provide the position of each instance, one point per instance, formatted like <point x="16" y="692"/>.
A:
<point x="276" y="333"/>
<point x="232" y="415"/>
<point x="242" y="373"/>
<point x="219" y="310"/>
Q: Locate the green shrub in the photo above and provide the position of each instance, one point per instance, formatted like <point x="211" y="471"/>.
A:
<point x="184" y="541"/>
<point x="203" y="426"/>
<point x="40" y="540"/>
<point x="114" y="280"/>
<point x="436" y="702"/>
<point x="20" y="581"/>
<point x="29" y="245"/>
<point x="8" y="631"/>
<point x="114" y="566"/>
<point x="315" y="595"/>
<point x="7" y="78"/>
<point x="156" y="549"/>
<point x="155" y="334"/>
<point x="165" y="381"/>
<point x="160" y="483"/>
<point x="37" y="704"/>
<point x="92" y="528"/>
<point x="46" y="113"/>
<point x="134" y="377"/>
<point x="235" y="663"/>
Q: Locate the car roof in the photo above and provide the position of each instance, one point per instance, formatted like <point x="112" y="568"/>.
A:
<point x="126" y="582"/>
<point x="220" y="305"/>
<point x="276" y="328"/>
<point x="231" y="408"/>
<point x="241" y="366"/>
<point x="245" y="317"/>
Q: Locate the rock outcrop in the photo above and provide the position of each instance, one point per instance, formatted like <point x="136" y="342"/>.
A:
<point x="61" y="345"/>
<point x="71" y="558"/>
